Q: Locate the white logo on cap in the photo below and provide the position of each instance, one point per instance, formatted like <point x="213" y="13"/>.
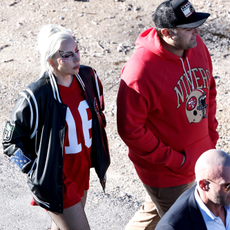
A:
<point x="187" y="9"/>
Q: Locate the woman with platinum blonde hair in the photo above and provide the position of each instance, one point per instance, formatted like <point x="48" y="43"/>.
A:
<point x="56" y="131"/>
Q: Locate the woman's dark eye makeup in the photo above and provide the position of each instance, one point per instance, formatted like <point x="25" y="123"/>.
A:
<point x="68" y="53"/>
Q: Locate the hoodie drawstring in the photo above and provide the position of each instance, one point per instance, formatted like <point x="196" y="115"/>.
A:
<point x="190" y="80"/>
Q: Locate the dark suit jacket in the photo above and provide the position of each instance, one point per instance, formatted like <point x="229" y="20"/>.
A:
<point x="184" y="214"/>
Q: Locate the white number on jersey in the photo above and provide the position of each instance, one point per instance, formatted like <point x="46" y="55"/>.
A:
<point x="75" y="147"/>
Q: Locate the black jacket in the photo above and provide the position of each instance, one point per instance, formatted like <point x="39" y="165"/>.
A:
<point x="33" y="137"/>
<point x="184" y="214"/>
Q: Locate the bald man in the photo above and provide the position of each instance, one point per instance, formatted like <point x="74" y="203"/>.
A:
<point x="206" y="205"/>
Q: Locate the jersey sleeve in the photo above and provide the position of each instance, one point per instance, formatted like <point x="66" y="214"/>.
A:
<point x="100" y="96"/>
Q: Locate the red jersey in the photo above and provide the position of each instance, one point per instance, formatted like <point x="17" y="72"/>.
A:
<point x="77" y="145"/>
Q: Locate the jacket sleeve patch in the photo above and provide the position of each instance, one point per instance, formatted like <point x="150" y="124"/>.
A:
<point x="19" y="159"/>
<point x="8" y="131"/>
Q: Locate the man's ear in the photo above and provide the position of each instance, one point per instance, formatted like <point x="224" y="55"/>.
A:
<point x="167" y="33"/>
<point x="203" y="184"/>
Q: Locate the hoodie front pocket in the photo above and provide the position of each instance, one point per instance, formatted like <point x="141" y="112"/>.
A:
<point x="192" y="153"/>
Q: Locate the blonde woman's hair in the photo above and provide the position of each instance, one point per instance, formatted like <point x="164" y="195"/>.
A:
<point x="49" y="41"/>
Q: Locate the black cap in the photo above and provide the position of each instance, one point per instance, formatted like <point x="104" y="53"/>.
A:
<point x="178" y="13"/>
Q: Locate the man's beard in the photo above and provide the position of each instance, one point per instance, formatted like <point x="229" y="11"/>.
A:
<point x="222" y="200"/>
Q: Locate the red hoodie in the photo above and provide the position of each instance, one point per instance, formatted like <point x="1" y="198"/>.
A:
<point x="166" y="108"/>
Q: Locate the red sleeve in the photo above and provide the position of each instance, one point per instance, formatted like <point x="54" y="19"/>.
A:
<point x="131" y="119"/>
<point x="212" y="107"/>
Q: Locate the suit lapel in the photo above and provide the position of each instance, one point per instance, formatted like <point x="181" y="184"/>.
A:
<point x="195" y="214"/>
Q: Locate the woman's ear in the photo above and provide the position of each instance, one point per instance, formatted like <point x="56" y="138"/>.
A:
<point x="52" y="63"/>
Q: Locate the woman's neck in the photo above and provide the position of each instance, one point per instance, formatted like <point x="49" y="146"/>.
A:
<point x="65" y="81"/>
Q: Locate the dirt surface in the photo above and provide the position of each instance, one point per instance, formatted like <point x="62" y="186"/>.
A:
<point x="106" y="31"/>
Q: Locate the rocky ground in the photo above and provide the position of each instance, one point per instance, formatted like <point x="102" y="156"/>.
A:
<point x="106" y="31"/>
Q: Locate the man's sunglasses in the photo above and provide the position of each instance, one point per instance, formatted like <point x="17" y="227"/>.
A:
<point x="225" y="186"/>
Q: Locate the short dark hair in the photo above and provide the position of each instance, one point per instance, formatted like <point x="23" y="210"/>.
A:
<point x="164" y="16"/>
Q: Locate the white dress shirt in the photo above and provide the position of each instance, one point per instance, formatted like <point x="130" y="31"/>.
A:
<point x="212" y="222"/>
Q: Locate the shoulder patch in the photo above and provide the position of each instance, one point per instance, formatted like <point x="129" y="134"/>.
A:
<point x="20" y="159"/>
<point x="8" y="131"/>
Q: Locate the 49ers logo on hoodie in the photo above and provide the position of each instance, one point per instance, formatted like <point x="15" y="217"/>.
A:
<point x="195" y="106"/>
<point x="189" y="89"/>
